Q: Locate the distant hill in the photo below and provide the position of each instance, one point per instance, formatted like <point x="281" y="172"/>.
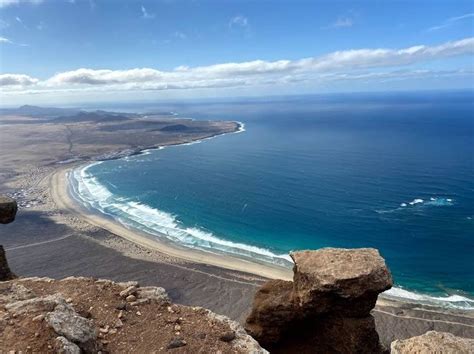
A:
<point x="175" y="128"/>
<point x="67" y="114"/>
<point x="96" y="116"/>
<point x="39" y="112"/>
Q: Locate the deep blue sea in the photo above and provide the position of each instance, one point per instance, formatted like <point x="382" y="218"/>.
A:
<point x="393" y="171"/>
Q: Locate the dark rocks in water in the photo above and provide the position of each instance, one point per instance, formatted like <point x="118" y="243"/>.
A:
<point x="8" y="209"/>
<point x="326" y="309"/>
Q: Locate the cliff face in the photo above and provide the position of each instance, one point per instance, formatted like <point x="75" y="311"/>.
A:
<point x="326" y="308"/>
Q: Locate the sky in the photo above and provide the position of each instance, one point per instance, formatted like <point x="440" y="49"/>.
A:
<point x="73" y="51"/>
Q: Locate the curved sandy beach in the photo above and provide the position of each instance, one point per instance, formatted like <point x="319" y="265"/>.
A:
<point x="60" y="193"/>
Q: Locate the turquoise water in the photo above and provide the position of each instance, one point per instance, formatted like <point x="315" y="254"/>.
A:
<point x="392" y="172"/>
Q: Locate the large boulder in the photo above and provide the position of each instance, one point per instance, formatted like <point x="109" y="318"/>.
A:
<point x="68" y="323"/>
<point x="346" y="280"/>
<point x="8" y="209"/>
<point x="433" y="342"/>
<point x="327" y="306"/>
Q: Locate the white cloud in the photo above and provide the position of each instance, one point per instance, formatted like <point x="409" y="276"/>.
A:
<point x="5" y="3"/>
<point x="358" y="64"/>
<point x="451" y="21"/>
<point x="146" y="14"/>
<point x="5" y="40"/>
<point x="343" y="21"/>
<point x="16" y="80"/>
<point x="239" y="21"/>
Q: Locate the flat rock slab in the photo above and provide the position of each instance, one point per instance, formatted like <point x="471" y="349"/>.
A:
<point x="350" y="272"/>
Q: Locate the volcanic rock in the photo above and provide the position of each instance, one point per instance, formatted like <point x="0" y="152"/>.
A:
<point x="327" y="306"/>
<point x="66" y="322"/>
<point x="346" y="280"/>
<point x="5" y="272"/>
<point x="63" y="346"/>
<point x="8" y="209"/>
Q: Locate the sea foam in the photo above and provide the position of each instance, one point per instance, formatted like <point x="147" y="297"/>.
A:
<point x="160" y="223"/>
<point x="88" y="190"/>
<point x="451" y="301"/>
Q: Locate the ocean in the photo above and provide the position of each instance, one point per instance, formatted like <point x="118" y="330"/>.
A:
<point x="390" y="171"/>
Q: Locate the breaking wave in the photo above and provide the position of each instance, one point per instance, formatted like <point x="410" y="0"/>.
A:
<point x="91" y="193"/>
<point x="419" y="202"/>
<point x="451" y="301"/>
<point x="87" y="190"/>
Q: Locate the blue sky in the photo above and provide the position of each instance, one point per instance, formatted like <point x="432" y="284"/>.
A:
<point x="133" y="48"/>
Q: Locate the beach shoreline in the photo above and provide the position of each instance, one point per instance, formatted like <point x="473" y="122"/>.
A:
<point x="63" y="197"/>
<point x="60" y="193"/>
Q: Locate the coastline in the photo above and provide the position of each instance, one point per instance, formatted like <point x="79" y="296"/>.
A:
<point x="59" y="188"/>
<point x="55" y="240"/>
<point x="64" y="199"/>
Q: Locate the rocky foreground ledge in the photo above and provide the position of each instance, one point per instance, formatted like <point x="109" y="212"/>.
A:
<point x="76" y="314"/>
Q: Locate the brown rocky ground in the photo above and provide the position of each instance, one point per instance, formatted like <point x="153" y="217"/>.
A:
<point x="123" y="318"/>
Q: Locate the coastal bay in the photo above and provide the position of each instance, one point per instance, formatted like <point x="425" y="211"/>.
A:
<point x="72" y="241"/>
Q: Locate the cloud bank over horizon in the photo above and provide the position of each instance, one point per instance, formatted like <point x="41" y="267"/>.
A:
<point x="355" y="64"/>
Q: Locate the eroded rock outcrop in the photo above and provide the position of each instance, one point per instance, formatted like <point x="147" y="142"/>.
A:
<point x="84" y="315"/>
<point x="433" y="342"/>
<point x="8" y="209"/>
<point x="327" y="306"/>
<point x="5" y="272"/>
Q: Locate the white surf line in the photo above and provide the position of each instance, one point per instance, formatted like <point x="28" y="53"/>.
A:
<point x="423" y="319"/>
<point x="38" y="243"/>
